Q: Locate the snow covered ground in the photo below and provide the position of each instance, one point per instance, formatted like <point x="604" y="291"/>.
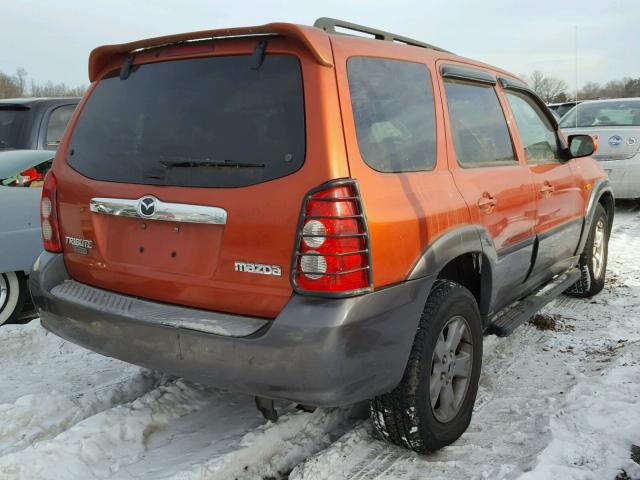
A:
<point x="560" y="403"/>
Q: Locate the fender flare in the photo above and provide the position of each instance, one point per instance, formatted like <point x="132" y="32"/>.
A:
<point x="602" y="187"/>
<point x="442" y="250"/>
<point x="467" y="239"/>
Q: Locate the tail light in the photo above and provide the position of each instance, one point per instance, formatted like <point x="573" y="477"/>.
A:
<point x="332" y="256"/>
<point x="49" y="215"/>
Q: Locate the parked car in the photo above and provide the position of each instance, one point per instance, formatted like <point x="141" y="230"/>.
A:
<point x="561" y="109"/>
<point x="305" y="215"/>
<point x="30" y="130"/>
<point x="615" y="124"/>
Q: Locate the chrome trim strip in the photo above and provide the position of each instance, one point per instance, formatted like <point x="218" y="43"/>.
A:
<point x="168" y="212"/>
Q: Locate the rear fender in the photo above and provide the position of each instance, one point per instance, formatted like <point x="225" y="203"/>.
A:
<point x="472" y="239"/>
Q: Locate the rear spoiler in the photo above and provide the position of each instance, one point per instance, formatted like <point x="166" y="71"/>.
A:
<point x="314" y="39"/>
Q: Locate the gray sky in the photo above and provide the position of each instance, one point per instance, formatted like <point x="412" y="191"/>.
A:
<point x="52" y="39"/>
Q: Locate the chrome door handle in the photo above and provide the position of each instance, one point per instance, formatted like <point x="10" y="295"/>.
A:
<point x="547" y="189"/>
<point x="487" y="202"/>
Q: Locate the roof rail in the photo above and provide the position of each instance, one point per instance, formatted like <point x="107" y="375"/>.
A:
<point x="329" y="25"/>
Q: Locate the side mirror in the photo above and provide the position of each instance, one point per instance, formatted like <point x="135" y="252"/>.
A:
<point x="582" y="146"/>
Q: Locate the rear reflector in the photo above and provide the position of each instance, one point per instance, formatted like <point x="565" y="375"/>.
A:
<point x="332" y="256"/>
<point x="49" y="215"/>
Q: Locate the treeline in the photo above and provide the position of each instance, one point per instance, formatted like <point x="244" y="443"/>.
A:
<point x="554" y="90"/>
<point x="18" y="85"/>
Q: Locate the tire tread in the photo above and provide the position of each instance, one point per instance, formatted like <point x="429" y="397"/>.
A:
<point x="401" y="426"/>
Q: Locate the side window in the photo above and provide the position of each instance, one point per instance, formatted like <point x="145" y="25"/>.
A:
<point x="480" y="134"/>
<point x="538" y="135"/>
<point x="394" y="114"/>
<point x="58" y="120"/>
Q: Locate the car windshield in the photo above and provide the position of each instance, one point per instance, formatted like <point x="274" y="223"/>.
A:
<point x="603" y="114"/>
<point x="12" y="121"/>
<point x="205" y="122"/>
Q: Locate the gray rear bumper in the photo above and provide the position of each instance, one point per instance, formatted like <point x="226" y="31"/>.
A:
<point x="321" y="352"/>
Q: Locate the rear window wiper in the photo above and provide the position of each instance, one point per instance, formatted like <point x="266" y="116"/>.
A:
<point x="208" y="163"/>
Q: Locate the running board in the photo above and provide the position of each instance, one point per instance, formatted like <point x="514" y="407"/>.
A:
<point x="507" y="321"/>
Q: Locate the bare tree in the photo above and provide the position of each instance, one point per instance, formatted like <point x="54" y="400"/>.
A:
<point x="21" y="76"/>
<point x="50" y="89"/>
<point x="10" y="86"/>
<point x="548" y="88"/>
<point x="590" y="91"/>
<point x="14" y="86"/>
<point x="632" y="87"/>
<point x="626" y="87"/>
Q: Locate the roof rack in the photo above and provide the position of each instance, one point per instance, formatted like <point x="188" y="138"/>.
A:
<point x="329" y="25"/>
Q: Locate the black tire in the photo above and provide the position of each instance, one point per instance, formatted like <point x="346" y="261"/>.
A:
<point x="405" y="416"/>
<point x="592" y="279"/>
<point x="12" y="302"/>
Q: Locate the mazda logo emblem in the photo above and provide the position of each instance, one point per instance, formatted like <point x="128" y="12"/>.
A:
<point x="147" y="206"/>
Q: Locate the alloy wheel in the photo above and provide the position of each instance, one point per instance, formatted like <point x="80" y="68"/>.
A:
<point x="451" y="367"/>
<point x="599" y="246"/>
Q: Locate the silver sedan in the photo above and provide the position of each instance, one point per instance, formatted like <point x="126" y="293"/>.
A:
<point x="616" y="125"/>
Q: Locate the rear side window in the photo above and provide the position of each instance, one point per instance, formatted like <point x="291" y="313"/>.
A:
<point x="58" y="121"/>
<point x="538" y="135"/>
<point x="393" y="108"/>
<point x="13" y="122"/>
<point x="206" y="122"/>
<point x="480" y="134"/>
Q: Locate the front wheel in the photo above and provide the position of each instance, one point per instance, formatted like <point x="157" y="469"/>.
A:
<point x="13" y="293"/>
<point x="433" y="404"/>
<point x="593" y="261"/>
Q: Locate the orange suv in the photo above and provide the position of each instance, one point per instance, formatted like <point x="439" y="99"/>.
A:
<point x="296" y="213"/>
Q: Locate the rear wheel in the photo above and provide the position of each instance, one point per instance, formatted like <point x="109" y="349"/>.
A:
<point x="433" y="404"/>
<point x="13" y="293"/>
<point x="593" y="261"/>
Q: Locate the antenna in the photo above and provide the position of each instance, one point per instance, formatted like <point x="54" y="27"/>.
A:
<point x="575" y="43"/>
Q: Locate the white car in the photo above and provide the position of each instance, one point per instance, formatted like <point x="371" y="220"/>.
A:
<point x="30" y="131"/>
<point x="615" y="124"/>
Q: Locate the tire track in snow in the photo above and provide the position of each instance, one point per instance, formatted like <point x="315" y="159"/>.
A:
<point x="181" y="431"/>
<point x="98" y="446"/>
<point x="65" y="385"/>
<point x="269" y="450"/>
<point x="37" y="417"/>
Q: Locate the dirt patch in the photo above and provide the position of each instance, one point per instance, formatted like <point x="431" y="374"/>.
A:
<point x="542" y="321"/>
<point x="635" y="453"/>
<point x="614" y="281"/>
<point x="606" y="352"/>
<point x="554" y="322"/>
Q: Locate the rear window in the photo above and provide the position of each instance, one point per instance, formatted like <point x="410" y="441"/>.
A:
<point x="393" y="108"/>
<point x="13" y="121"/>
<point x="207" y="122"/>
<point x="564" y="108"/>
<point x="58" y="121"/>
<point x="603" y="114"/>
